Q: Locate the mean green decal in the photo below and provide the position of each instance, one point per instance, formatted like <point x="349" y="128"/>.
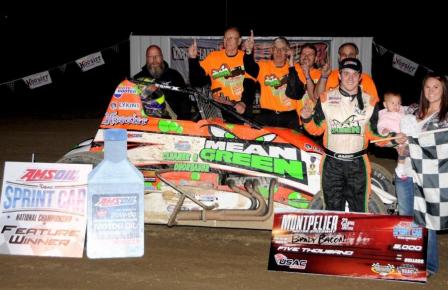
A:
<point x="349" y="126"/>
<point x="259" y="155"/>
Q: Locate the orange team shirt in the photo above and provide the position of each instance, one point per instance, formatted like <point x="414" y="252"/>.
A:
<point x="367" y="84"/>
<point x="273" y="81"/>
<point x="226" y="73"/>
<point x="315" y="76"/>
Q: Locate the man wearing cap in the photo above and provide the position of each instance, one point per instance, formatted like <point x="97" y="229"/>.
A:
<point x="348" y="118"/>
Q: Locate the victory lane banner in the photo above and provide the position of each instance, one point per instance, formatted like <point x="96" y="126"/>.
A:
<point x="43" y="209"/>
<point x="349" y="244"/>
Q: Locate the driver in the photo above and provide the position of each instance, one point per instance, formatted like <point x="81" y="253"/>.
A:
<point x="348" y="118"/>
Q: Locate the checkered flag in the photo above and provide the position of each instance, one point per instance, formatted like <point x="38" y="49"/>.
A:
<point x="429" y="155"/>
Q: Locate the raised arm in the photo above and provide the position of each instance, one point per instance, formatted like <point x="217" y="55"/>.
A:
<point x="196" y="73"/>
<point x="250" y="66"/>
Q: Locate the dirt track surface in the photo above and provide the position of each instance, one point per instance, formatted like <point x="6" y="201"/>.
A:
<point x="175" y="258"/>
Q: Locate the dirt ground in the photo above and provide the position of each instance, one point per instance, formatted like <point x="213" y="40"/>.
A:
<point x="175" y="258"/>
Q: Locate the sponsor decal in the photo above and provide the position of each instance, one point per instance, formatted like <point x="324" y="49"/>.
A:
<point x="383" y="270"/>
<point x="90" y="61"/>
<point x="334" y="99"/>
<point x="135" y="135"/>
<point x="313" y="166"/>
<point x="408" y="231"/>
<point x="113" y="201"/>
<point x="282" y="239"/>
<point x="349" y="126"/>
<point x="49" y="175"/>
<point x="309" y="223"/>
<point x="407" y="270"/>
<point x="38" y="80"/>
<point x="282" y="260"/>
<point x="175" y="156"/>
<point x="310" y="147"/>
<point x="347" y="225"/>
<point x="182" y="145"/>
<point x="193" y="167"/>
<point x="129" y="106"/>
<point x="124" y="90"/>
<point x="115" y="119"/>
<point x="113" y="106"/>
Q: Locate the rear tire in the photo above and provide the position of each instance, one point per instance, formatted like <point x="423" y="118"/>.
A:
<point x="384" y="180"/>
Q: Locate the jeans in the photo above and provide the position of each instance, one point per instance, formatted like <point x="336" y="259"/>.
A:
<point x="405" y="195"/>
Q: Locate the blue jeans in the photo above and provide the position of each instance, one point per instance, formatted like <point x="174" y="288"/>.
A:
<point x="405" y="195"/>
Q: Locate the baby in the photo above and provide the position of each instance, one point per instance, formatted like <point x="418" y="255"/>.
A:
<point x="389" y="117"/>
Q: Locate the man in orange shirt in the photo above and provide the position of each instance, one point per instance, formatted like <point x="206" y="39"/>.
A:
<point x="224" y="71"/>
<point x="330" y="80"/>
<point x="309" y="75"/>
<point x="279" y="84"/>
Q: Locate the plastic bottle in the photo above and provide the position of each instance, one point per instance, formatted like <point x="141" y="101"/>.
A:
<point x="115" y="209"/>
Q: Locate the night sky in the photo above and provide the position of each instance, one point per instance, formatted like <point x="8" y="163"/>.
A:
<point x="32" y="41"/>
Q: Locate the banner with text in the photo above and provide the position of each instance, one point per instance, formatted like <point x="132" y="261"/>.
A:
<point x="90" y="61"/>
<point x="349" y="244"/>
<point x="38" y="80"/>
<point x="405" y="65"/>
<point x="43" y="209"/>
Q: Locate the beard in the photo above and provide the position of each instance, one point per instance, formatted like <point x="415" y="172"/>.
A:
<point x="156" y="71"/>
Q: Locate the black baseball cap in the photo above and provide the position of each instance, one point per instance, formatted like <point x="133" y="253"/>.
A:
<point x="352" y="63"/>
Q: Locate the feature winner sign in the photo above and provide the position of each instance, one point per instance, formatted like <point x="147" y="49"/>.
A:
<point x="349" y="244"/>
<point x="43" y="209"/>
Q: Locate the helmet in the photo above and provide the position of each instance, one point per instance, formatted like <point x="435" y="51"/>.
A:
<point x="153" y="99"/>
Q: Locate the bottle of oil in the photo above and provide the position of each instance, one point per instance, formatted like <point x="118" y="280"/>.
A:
<point x="115" y="209"/>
